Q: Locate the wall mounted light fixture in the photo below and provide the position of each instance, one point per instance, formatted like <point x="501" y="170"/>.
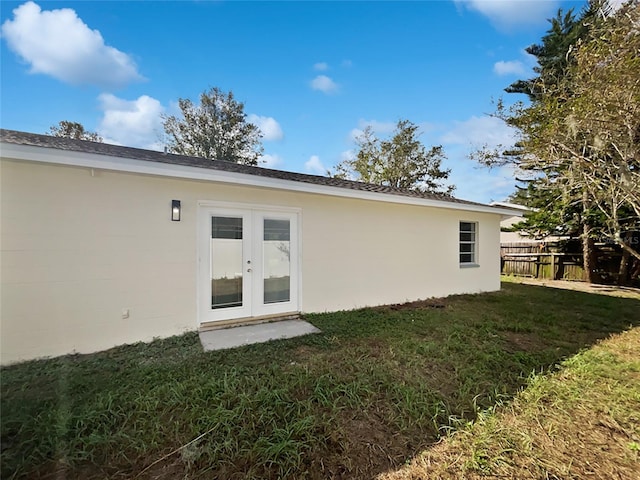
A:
<point x="175" y="210"/>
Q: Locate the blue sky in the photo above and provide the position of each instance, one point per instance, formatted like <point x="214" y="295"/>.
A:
<point x="311" y="74"/>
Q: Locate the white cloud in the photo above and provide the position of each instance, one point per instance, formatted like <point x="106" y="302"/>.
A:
<point x="59" y="44"/>
<point x="511" y="67"/>
<point x="315" y="166"/>
<point x="472" y="181"/>
<point x="478" y="131"/>
<point x="379" y="128"/>
<point x="134" y="123"/>
<point x="347" y="155"/>
<point x="269" y="127"/>
<point x="511" y="13"/>
<point x="321" y="66"/>
<point x="355" y="133"/>
<point x="480" y="184"/>
<point x="324" y="84"/>
<point x="271" y="161"/>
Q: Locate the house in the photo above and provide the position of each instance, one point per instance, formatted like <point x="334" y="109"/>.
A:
<point x="507" y="234"/>
<point x="105" y="245"/>
<point x="510" y="236"/>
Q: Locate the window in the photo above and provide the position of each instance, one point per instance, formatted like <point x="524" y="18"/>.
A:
<point x="276" y="249"/>
<point x="468" y="242"/>
<point x="226" y="262"/>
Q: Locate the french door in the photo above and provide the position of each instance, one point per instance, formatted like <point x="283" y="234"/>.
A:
<point x="248" y="262"/>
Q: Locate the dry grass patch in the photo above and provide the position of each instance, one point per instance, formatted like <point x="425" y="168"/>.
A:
<point x="581" y="422"/>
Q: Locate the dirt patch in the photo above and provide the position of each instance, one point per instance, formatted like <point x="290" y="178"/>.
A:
<point x="523" y="342"/>
<point x="375" y="348"/>
<point x="304" y="351"/>
<point x="429" y="303"/>
<point x="373" y="445"/>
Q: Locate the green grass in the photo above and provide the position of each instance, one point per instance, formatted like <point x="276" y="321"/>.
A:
<point x="582" y="421"/>
<point x="376" y="387"/>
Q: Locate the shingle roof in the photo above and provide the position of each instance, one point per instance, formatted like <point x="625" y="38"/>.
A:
<point x="82" y="146"/>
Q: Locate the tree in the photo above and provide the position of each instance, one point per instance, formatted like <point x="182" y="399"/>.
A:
<point x="217" y="128"/>
<point x="553" y="57"/>
<point x="551" y="53"/>
<point x="73" y="130"/>
<point x="580" y="136"/>
<point x="558" y="63"/>
<point x="401" y="161"/>
<point x="549" y="215"/>
<point x="588" y="125"/>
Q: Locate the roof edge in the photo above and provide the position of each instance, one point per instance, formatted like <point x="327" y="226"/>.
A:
<point x="33" y="147"/>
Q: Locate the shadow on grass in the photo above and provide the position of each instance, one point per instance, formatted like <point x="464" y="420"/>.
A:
<point x="375" y="387"/>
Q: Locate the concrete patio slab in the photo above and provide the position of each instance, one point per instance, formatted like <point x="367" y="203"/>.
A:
<point x="248" y="334"/>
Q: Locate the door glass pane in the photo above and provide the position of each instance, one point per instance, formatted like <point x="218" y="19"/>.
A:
<point x="226" y="262"/>
<point x="276" y="248"/>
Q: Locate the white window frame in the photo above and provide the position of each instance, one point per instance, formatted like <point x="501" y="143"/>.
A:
<point x="474" y="242"/>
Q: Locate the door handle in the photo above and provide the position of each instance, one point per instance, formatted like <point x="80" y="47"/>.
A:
<point x="248" y="270"/>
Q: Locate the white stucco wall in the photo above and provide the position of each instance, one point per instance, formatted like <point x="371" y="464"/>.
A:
<point x="80" y="246"/>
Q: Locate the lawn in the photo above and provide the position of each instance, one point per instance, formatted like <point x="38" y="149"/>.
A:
<point x="375" y="388"/>
<point x="582" y="421"/>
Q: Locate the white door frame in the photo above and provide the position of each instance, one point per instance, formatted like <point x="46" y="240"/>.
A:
<point x="253" y="286"/>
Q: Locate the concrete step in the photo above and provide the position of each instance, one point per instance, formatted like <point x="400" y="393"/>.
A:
<point x="238" y="336"/>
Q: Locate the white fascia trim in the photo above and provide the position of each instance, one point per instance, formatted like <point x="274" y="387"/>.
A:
<point x="121" y="164"/>
<point x="511" y="206"/>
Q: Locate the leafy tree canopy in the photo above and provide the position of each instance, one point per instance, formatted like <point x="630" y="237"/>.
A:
<point x="553" y="53"/>
<point x="216" y="128"/>
<point x="401" y="161"/>
<point x="580" y="137"/>
<point x="74" y="130"/>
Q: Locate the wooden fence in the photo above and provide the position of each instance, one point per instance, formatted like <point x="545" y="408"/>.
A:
<point x="536" y="260"/>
